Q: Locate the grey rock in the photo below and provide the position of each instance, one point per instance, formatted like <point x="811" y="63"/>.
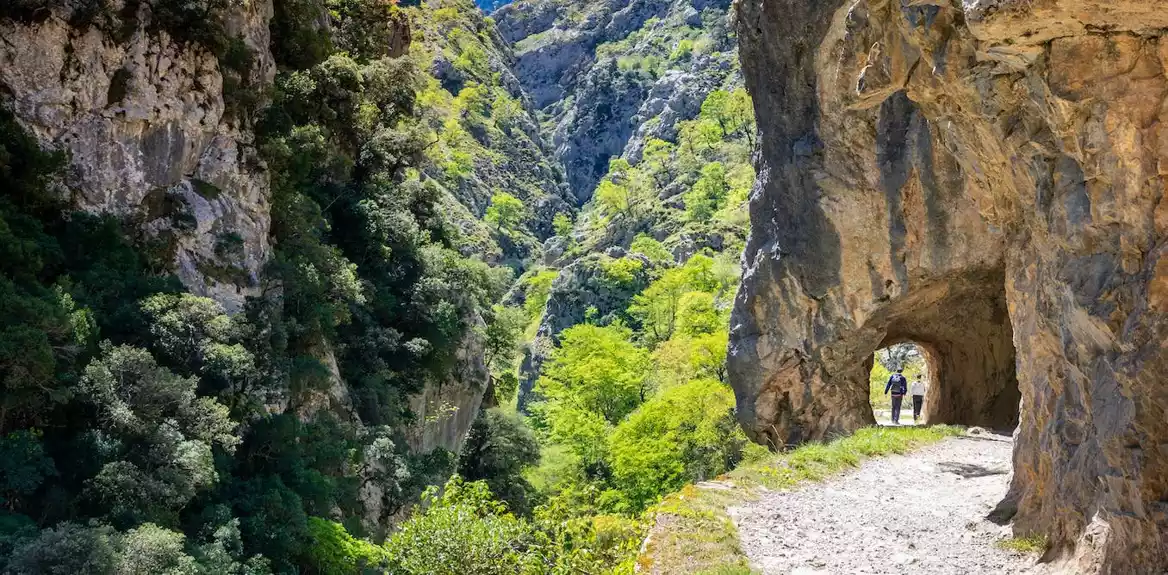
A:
<point x="144" y="116"/>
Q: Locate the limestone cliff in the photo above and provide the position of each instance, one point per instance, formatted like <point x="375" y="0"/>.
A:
<point x="985" y="178"/>
<point x="157" y="121"/>
<point x="144" y="119"/>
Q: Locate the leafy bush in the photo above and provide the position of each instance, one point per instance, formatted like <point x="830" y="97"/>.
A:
<point x="334" y="551"/>
<point x="498" y="448"/>
<point x="684" y="434"/>
<point x="506" y="212"/>
<point x="460" y="531"/>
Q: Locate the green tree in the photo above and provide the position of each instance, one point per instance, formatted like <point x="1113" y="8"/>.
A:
<point x="654" y="250"/>
<point x="334" y="551"/>
<point x="539" y="287"/>
<point x="656" y="307"/>
<point x="502" y="336"/>
<point x="684" y="358"/>
<point x="657" y="160"/>
<point x="698" y="315"/>
<point x="506" y="212"/>
<point x="23" y="467"/>
<point x="498" y="448"/>
<point x="461" y="531"/>
<point x="708" y="194"/>
<point x="685" y="434"/>
<point x="562" y="224"/>
<point x="164" y="431"/>
<point x="593" y="380"/>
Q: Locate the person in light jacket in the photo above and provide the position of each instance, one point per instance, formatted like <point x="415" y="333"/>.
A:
<point x="917" y="390"/>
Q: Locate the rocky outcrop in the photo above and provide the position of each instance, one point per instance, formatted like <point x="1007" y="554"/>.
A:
<point x="984" y="178"/>
<point x="152" y="134"/>
<point x="609" y="75"/>
<point x="144" y="121"/>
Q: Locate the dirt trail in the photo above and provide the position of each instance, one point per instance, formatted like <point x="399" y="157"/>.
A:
<point x="923" y="512"/>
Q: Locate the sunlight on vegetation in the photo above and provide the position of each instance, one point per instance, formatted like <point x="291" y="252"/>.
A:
<point x="913" y="363"/>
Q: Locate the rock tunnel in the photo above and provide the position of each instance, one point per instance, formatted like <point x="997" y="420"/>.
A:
<point x="963" y="328"/>
<point x="986" y="179"/>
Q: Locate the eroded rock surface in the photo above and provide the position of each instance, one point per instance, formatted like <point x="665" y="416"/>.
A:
<point x="984" y="178"/>
<point x="608" y="77"/>
<point x="144" y="121"/>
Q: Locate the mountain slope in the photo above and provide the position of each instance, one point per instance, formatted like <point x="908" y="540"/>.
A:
<point x="608" y="75"/>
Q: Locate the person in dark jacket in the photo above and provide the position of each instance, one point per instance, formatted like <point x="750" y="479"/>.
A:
<point x="898" y="385"/>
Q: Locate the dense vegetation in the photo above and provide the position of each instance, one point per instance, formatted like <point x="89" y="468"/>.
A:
<point x="145" y="430"/>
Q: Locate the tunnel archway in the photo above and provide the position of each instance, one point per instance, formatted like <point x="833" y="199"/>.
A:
<point x="962" y="328"/>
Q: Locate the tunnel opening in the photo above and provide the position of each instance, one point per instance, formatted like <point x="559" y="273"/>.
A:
<point x="957" y="335"/>
<point x="913" y="363"/>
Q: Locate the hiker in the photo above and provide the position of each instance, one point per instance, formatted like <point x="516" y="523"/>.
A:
<point x="917" y="390"/>
<point x="898" y="385"/>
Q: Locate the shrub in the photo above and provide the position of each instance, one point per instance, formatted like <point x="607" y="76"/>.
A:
<point x="334" y="551"/>
<point x="461" y="531"/>
<point x="684" y="434"/>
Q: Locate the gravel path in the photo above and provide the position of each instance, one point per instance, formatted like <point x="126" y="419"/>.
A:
<point x="933" y="523"/>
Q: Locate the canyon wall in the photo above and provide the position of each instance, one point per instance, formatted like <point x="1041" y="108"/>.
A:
<point x="985" y="178"/>
<point x="158" y="131"/>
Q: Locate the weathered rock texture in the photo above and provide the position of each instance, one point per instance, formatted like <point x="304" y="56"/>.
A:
<point x="966" y="175"/>
<point x="604" y="74"/>
<point x="143" y="120"/>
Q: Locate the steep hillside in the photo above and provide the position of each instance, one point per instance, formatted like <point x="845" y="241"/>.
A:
<point x="485" y="138"/>
<point x="250" y="257"/>
<point x="609" y="75"/>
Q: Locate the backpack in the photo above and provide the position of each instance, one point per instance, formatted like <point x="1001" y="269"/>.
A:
<point x="899" y="384"/>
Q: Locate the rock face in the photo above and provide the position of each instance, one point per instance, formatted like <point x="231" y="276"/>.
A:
<point x="144" y="123"/>
<point x="608" y="74"/>
<point x="147" y="123"/>
<point x="985" y="178"/>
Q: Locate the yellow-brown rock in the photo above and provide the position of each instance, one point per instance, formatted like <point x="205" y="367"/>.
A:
<point x="985" y="178"/>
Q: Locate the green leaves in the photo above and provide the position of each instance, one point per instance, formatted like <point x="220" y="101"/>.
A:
<point x="23" y="466"/>
<point x="684" y="434"/>
<point x="463" y="531"/>
<point x="506" y="212"/>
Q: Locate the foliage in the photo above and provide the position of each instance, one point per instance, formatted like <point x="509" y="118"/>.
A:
<point x="506" y="212"/>
<point x="658" y="306"/>
<point x="335" y="552"/>
<point x="1028" y="544"/>
<point x="620" y="272"/>
<point x="654" y="250"/>
<point x="593" y="380"/>
<point x="684" y="434"/>
<point x="498" y="449"/>
<point x="539" y="288"/>
<point x="23" y="466"/>
<point x="461" y="531"/>
<point x="562" y="224"/>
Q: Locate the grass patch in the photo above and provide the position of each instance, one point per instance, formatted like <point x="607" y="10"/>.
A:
<point x="693" y="532"/>
<point x="1031" y="544"/>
